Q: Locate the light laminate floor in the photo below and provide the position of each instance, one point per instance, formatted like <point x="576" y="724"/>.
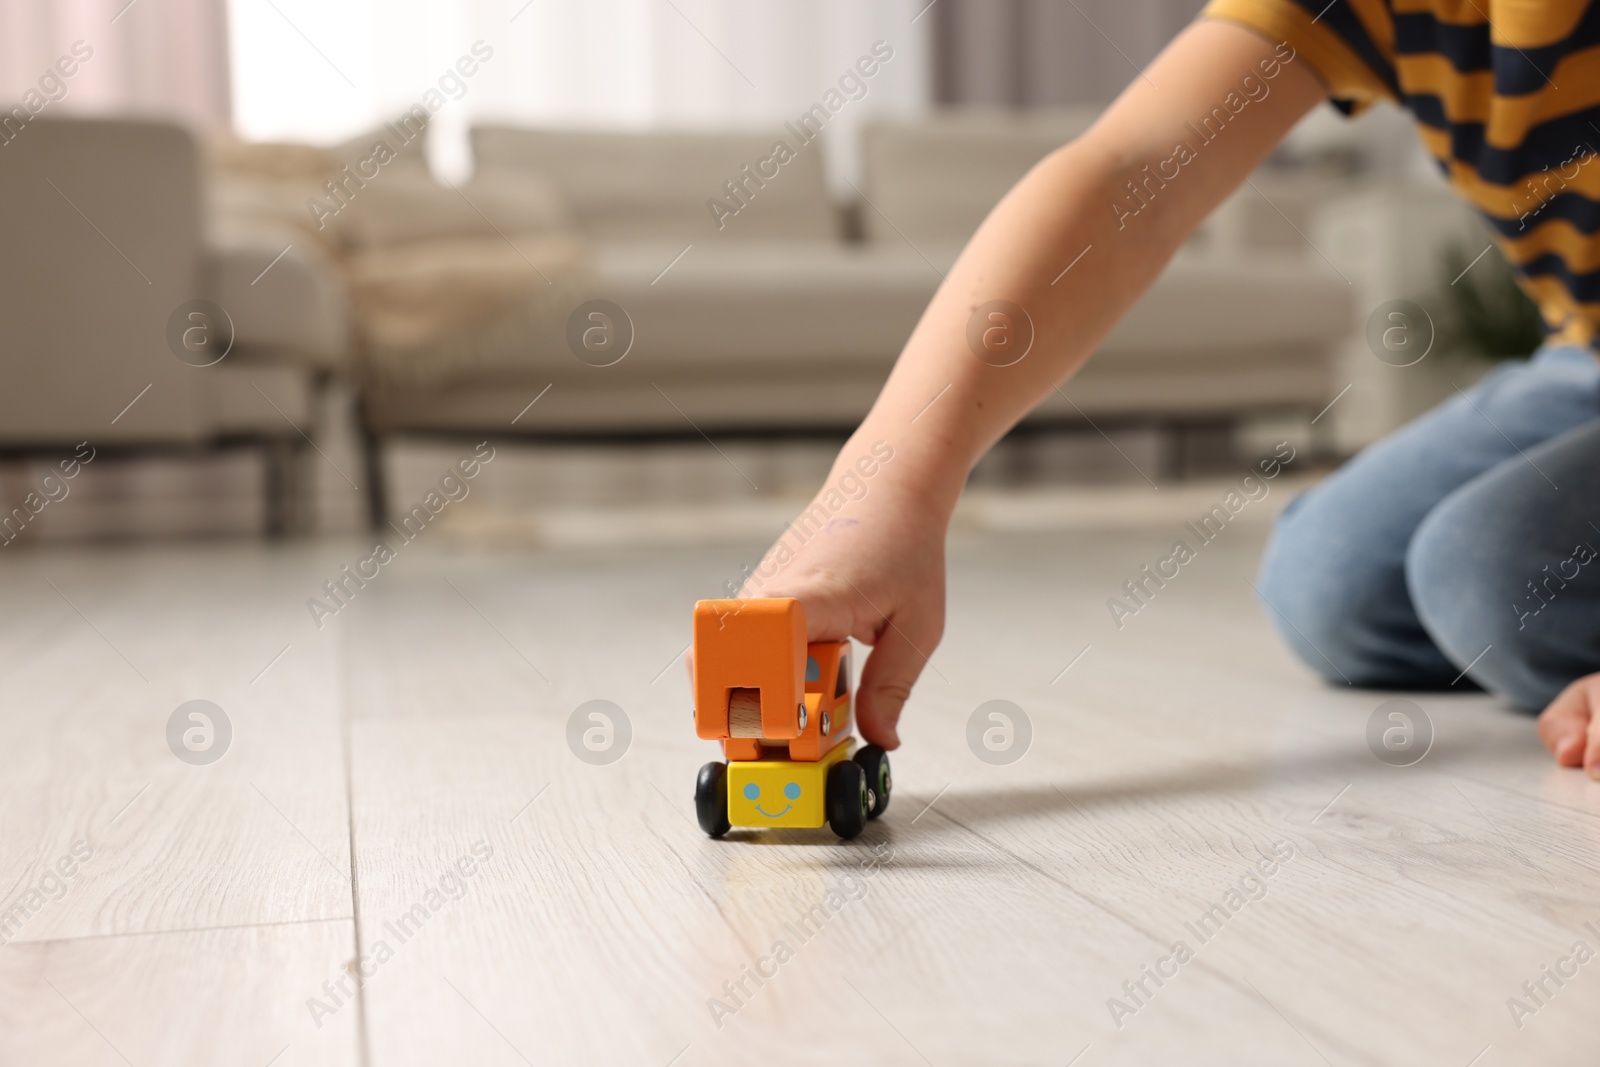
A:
<point x="990" y="918"/>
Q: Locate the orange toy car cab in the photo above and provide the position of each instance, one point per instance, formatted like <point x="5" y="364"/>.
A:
<point x="783" y="711"/>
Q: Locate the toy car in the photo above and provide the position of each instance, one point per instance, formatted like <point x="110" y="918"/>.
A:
<point x="782" y="710"/>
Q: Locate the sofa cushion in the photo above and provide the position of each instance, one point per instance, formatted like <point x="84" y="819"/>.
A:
<point x="405" y="206"/>
<point x="757" y="309"/>
<point x="771" y="301"/>
<point x="285" y="294"/>
<point x="655" y="185"/>
<point x="749" y="303"/>
<point x="430" y="311"/>
<point x="1286" y="302"/>
<point x="257" y="203"/>
<point x="277" y="183"/>
<point x="935" y="178"/>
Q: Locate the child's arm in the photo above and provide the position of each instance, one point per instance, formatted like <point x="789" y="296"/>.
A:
<point x="879" y="574"/>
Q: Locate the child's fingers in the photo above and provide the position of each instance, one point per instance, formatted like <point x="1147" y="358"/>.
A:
<point x="1591" y="754"/>
<point x="1569" y="750"/>
<point x="886" y="680"/>
<point x="1565" y="726"/>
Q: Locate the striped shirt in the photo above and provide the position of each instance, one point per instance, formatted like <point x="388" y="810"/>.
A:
<point x="1506" y="95"/>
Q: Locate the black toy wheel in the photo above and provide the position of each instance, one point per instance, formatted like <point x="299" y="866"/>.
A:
<point x="847" y="798"/>
<point x="711" y="798"/>
<point x="875" y="762"/>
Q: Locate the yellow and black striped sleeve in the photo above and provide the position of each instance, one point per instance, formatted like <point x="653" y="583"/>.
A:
<point x="1349" y="45"/>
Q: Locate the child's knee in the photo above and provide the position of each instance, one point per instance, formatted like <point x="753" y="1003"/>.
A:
<point x="1470" y="586"/>
<point x="1328" y="617"/>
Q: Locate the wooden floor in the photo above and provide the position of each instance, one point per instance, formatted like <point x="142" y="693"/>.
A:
<point x="993" y="916"/>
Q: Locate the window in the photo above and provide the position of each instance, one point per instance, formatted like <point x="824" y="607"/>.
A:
<point x="327" y="70"/>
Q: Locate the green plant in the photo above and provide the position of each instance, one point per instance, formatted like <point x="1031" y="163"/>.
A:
<point x="1487" y="315"/>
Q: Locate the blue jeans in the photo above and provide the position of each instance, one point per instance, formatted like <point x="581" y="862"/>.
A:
<point x="1462" y="546"/>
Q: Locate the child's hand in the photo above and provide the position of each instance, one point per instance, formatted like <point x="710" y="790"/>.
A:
<point x="875" y="572"/>
<point x="1570" y="726"/>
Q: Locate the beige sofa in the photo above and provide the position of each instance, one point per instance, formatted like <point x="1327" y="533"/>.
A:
<point x="786" y="316"/>
<point x="103" y="244"/>
<point x="774" y="321"/>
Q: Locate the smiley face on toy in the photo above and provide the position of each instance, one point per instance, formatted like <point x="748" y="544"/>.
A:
<point x="752" y="792"/>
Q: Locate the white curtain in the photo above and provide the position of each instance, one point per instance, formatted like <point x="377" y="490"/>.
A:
<point x="323" y="70"/>
<point x="166" y="58"/>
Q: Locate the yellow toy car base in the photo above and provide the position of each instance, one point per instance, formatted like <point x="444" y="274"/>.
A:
<point x="782" y="792"/>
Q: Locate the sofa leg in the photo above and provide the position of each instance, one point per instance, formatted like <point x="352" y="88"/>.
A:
<point x="1192" y="447"/>
<point x="280" y="458"/>
<point x="1324" y="447"/>
<point x="377" y="491"/>
<point x="1173" y="452"/>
